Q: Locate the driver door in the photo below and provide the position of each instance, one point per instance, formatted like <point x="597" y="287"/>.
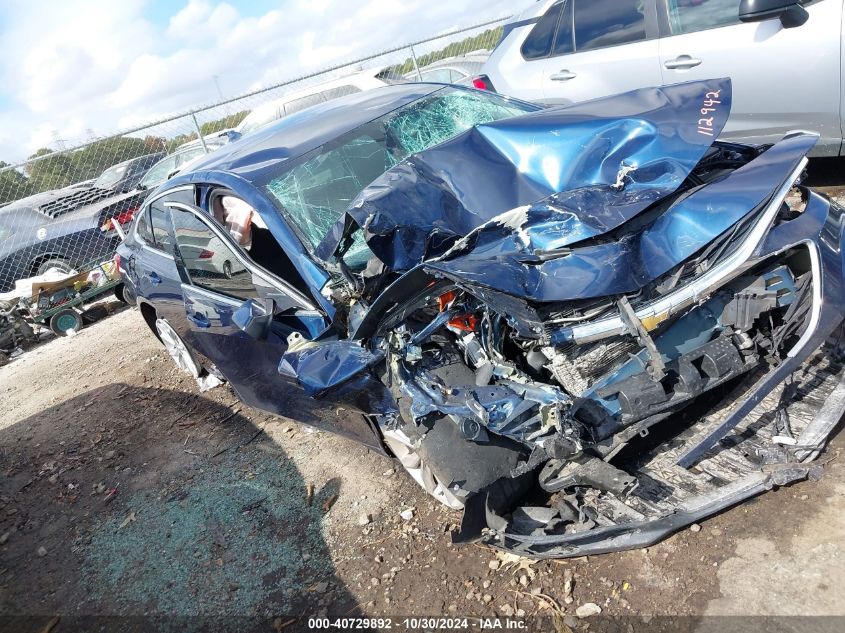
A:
<point x="218" y="280"/>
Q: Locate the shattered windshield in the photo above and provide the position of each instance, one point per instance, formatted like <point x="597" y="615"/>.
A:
<point x="315" y="193"/>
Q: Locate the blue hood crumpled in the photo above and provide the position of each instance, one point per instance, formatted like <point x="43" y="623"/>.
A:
<point x="502" y="192"/>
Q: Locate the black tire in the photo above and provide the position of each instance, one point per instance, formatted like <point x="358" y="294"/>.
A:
<point x="125" y="293"/>
<point x="64" y="321"/>
<point x="227" y="269"/>
<point x="54" y="262"/>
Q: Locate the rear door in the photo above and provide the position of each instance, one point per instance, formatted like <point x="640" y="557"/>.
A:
<point x="152" y="266"/>
<point x="601" y="47"/>
<point x="783" y="79"/>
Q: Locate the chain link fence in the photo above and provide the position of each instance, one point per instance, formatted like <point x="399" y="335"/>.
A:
<point x="62" y="209"/>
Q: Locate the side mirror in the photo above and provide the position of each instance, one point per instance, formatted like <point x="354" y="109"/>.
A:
<point x="255" y="318"/>
<point x="790" y="12"/>
<point x="233" y="135"/>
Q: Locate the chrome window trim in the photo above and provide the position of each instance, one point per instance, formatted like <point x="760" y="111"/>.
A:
<point x="247" y="263"/>
<point x="214" y="296"/>
<point x="701" y="287"/>
<point x="142" y="242"/>
<point x="144" y="209"/>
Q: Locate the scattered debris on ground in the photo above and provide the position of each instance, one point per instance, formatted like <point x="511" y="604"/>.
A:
<point x="115" y="474"/>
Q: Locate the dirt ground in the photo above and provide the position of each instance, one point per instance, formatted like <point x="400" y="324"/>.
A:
<point x="127" y="492"/>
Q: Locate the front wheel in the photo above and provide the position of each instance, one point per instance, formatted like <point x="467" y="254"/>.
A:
<point x="447" y="465"/>
<point x="404" y="450"/>
<point x="177" y="349"/>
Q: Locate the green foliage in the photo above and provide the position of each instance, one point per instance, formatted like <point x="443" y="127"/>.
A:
<point x="484" y="40"/>
<point x="223" y="124"/>
<point x="66" y="168"/>
<point x="50" y="173"/>
<point x="13" y="184"/>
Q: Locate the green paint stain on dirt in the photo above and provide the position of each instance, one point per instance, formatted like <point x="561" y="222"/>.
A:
<point x="238" y="538"/>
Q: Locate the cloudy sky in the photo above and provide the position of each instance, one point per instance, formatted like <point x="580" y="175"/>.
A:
<point x="72" y="67"/>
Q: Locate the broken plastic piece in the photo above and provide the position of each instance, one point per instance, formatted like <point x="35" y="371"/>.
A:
<point x="326" y="365"/>
<point x="586" y="471"/>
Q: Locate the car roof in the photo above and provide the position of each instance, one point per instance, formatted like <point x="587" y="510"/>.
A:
<point x="145" y="157"/>
<point x="299" y="133"/>
<point x="365" y="80"/>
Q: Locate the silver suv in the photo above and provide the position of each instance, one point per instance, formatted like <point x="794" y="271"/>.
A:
<point x="782" y="55"/>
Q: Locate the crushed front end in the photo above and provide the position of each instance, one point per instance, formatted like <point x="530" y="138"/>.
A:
<point x="593" y="371"/>
<point x="602" y="400"/>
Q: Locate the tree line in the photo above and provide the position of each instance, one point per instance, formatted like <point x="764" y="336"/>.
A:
<point x="67" y="168"/>
<point x="483" y="41"/>
<point x="75" y="166"/>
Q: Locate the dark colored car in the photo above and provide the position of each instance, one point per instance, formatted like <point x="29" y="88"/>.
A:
<point x="171" y="163"/>
<point x="562" y="321"/>
<point x="64" y="230"/>
<point x="125" y="176"/>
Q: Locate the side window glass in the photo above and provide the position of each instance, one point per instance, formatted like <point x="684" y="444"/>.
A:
<point x="303" y="102"/>
<point x="188" y="156"/>
<point x="160" y="220"/>
<point x="688" y="16"/>
<point x="563" y="39"/>
<point x="601" y="23"/>
<point x="539" y="41"/>
<point x="340" y="91"/>
<point x="456" y="75"/>
<point x="209" y="261"/>
<point x="143" y="229"/>
<point x="439" y="75"/>
<point x="158" y="174"/>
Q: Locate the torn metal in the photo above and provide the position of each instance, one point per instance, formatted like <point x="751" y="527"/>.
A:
<point x="584" y="317"/>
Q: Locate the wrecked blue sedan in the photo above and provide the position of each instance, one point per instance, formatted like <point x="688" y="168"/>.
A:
<point x="586" y="327"/>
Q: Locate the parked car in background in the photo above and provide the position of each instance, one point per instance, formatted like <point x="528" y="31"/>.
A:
<point x="64" y="230"/>
<point x="453" y="70"/>
<point x="312" y="95"/>
<point x="547" y="315"/>
<point x="125" y="176"/>
<point x="783" y="56"/>
<point x="172" y="163"/>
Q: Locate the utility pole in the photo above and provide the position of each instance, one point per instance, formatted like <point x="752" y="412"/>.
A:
<point x="217" y="83"/>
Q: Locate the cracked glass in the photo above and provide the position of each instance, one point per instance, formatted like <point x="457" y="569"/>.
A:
<point x="315" y="193"/>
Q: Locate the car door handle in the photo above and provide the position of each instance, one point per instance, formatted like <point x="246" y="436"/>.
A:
<point x="563" y="75"/>
<point x="199" y="320"/>
<point x="154" y="278"/>
<point x="681" y="62"/>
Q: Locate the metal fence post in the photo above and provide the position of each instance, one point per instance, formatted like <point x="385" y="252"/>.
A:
<point x="416" y="65"/>
<point x="199" y="132"/>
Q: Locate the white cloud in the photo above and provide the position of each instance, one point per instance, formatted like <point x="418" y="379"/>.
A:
<point x="201" y="20"/>
<point x="70" y="67"/>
